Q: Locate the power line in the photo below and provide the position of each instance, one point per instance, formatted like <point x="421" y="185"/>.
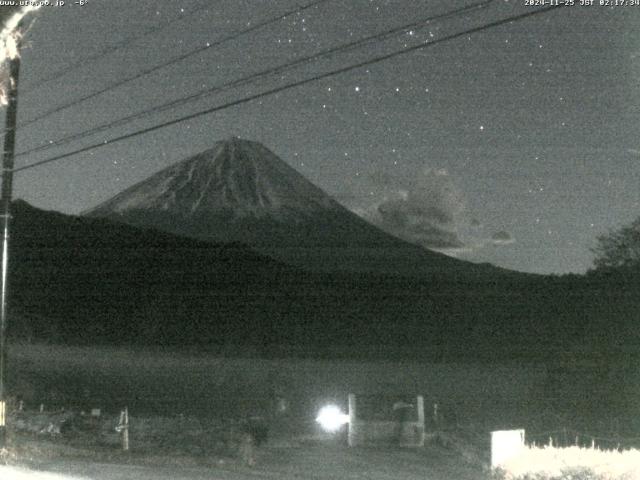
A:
<point x="173" y="61"/>
<point x="250" y="78"/>
<point x="126" y="42"/>
<point x="496" y="23"/>
<point x="279" y="89"/>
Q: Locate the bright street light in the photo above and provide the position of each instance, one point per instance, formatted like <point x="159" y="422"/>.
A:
<point x="331" y="418"/>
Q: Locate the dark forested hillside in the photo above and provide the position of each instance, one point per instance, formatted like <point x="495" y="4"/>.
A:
<point x="84" y="280"/>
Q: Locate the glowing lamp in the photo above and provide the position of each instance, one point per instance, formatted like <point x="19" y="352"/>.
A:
<point x="331" y="418"/>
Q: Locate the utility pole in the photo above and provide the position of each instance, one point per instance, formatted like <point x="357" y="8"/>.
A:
<point x="5" y="215"/>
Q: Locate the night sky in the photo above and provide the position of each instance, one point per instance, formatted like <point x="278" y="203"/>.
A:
<point x="517" y="145"/>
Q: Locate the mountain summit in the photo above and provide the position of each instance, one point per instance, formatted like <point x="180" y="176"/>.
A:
<point x="236" y="179"/>
<point x="241" y="191"/>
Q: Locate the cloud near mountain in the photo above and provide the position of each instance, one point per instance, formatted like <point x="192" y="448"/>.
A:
<point x="426" y="212"/>
<point x="429" y="210"/>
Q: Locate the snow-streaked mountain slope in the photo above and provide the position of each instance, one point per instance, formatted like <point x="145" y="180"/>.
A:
<point x="241" y="191"/>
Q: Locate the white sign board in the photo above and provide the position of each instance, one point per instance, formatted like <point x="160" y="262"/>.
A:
<point x="505" y="444"/>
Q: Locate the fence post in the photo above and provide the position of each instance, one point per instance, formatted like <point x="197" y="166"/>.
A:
<point x="353" y="428"/>
<point x="123" y="427"/>
<point x="125" y="432"/>
<point x="436" y="416"/>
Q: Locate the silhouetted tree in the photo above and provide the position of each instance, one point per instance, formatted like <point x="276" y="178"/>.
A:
<point x="619" y="248"/>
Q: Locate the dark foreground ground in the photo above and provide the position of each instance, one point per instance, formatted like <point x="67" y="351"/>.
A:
<point x="185" y="410"/>
<point x="75" y="454"/>
<point x="315" y="462"/>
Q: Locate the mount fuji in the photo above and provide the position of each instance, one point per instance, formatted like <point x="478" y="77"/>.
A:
<point x="240" y="191"/>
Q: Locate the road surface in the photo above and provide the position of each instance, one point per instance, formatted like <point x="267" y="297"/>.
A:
<point x="303" y="463"/>
<point x="107" y="471"/>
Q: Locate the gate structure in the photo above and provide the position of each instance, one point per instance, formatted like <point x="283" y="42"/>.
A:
<point x="386" y="420"/>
